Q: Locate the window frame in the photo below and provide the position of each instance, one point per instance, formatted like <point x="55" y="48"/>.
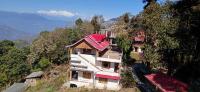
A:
<point x="108" y="66"/>
<point x="103" y="80"/>
<point x="87" y="75"/>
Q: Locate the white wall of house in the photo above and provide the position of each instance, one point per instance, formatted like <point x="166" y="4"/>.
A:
<point x="84" y="62"/>
<point x="111" y="69"/>
<point x="111" y="84"/>
<point x="82" y="79"/>
<point x="90" y="58"/>
<point x="83" y="82"/>
<point x="93" y="64"/>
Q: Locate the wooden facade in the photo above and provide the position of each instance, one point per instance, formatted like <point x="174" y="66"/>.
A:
<point x="83" y="45"/>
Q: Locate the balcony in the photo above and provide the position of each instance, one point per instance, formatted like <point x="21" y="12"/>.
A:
<point x="111" y="56"/>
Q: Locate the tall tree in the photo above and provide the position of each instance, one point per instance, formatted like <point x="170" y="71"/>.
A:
<point x="79" y="22"/>
<point x="125" y="17"/>
<point x="188" y="13"/>
<point x="159" y="26"/>
<point x="124" y="42"/>
<point x="87" y="28"/>
<point x="148" y="2"/>
<point x="51" y="46"/>
<point x="96" y="22"/>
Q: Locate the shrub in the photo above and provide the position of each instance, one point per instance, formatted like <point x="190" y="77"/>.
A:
<point x="44" y="63"/>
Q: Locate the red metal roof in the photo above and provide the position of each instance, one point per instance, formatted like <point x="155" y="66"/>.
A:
<point x="108" y="76"/>
<point x="166" y="83"/>
<point x="98" y="41"/>
<point x="98" y="37"/>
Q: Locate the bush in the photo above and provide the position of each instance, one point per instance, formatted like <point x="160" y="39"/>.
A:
<point x="127" y="80"/>
<point x="44" y="63"/>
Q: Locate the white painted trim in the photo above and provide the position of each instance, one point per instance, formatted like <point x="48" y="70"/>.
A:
<point x="108" y="60"/>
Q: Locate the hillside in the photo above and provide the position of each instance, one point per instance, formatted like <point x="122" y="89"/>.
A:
<point x="17" y="25"/>
<point x="10" y="33"/>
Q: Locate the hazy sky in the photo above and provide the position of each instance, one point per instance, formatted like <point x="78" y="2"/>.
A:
<point x="70" y="8"/>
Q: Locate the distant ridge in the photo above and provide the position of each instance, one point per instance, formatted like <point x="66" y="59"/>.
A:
<point x="21" y="25"/>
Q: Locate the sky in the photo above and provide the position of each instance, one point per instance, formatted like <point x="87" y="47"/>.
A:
<point x="70" y="8"/>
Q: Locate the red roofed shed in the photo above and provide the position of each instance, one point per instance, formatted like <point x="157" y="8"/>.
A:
<point x="166" y="83"/>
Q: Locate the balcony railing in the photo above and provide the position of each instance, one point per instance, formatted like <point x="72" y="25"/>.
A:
<point x="109" y="60"/>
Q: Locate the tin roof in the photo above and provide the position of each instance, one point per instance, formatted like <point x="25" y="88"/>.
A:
<point x="98" y="41"/>
<point x="35" y="74"/>
<point x="166" y="83"/>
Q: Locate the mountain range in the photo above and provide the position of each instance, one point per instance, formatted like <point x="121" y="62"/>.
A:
<point x="15" y="25"/>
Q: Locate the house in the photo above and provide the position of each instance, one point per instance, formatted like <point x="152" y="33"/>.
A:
<point x="31" y="80"/>
<point x="111" y="35"/>
<point x="138" y="41"/>
<point x="95" y="63"/>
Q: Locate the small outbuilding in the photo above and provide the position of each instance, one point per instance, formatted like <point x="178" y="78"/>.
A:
<point x="31" y="80"/>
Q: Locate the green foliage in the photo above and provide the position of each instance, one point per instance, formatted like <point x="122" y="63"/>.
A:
<point x="159" y="25"/>
<point x="79" y="22"/>
<point x="21" y="43"/>
<point x="51" y="45"/>
<point x="125" y="18"/>
<point x="49" y="85"/>
<point x="127" y="80"/>
<point x="135" y="56"/>
<point x="13" y="65"/>
<point x="5" y="43"/>
<point x="124" y="42"/>
<point x="96" y="22"/>
<point x="44" y="63"/>
<point x="87" y="28"/>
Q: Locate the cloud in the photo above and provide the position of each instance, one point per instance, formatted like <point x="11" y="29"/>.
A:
<point x="57" y="13"/>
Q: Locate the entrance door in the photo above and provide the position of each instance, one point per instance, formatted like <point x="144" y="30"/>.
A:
<point x="74" y="75"/>
<point x="116" y="69"/>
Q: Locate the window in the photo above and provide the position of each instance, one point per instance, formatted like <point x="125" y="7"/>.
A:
<point x="136" y="49"/>
<point x="106" y="64"/>
<point x="87" y="51"/>
<point x="87" y="75"/>
<point x="103" y="80"/>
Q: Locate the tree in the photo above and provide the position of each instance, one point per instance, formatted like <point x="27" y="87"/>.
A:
<point x="159" y="27"/>
<point x="96" y="22"/>
<point x="51" y="45"/>
<point x="125" y="17"/>
<point x="13" y="65"/>
<point x="188" y="14"/>
<point x="148" y="2"/>
<point x="43" y="63"/>
<point x="125" y="43"/>
<point x="79" y="22"/>
<point x="87" y="28"/>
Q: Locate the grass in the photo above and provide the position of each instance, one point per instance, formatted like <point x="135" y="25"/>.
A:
<point x="48" y="84"/>
<point x="99" y="90"/>
<point x="135" y="56"/>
